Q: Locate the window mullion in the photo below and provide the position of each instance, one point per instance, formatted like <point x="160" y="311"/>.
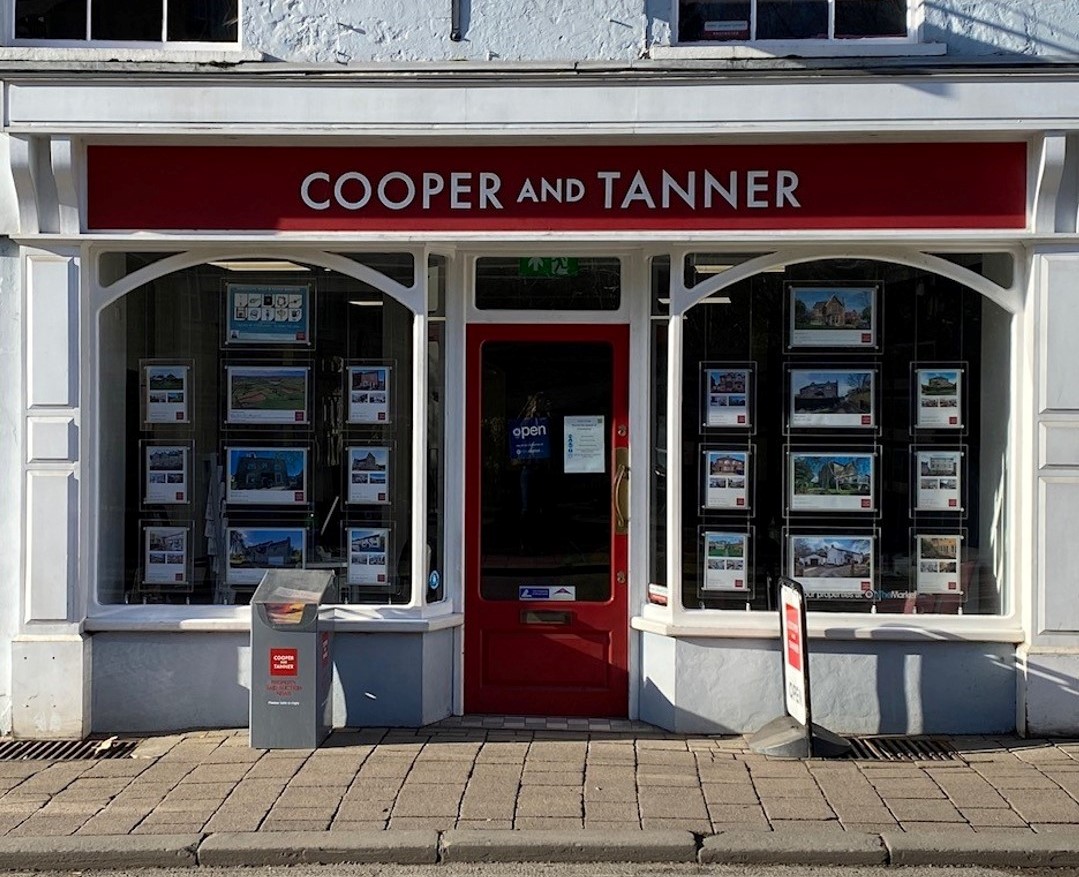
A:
<point x="164" y="21"/>
<point x="753" y="20"/>
<point x="831" y="19"/>
<point x="89" y="18"/>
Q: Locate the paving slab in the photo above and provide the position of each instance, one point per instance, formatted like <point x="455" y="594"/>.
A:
<point x="85" y="852"/>
<point x="985" y="849"/>
<point x="584" y="845"/>
<point x="793" y="847"/>
<point x="406" y="847"/>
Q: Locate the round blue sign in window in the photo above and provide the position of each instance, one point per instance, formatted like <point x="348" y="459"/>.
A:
<point x="434" y="580"/>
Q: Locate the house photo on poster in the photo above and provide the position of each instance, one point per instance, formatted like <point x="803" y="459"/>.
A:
<point x="368" y="475"/>
<point x="368" y="393"/>
<point x="724" y="563"/>
<point x="368" y="555"/>
<point x="165" y="556"/>
<point x="267" y="394"/>
<point x="266" y="476"/>
<point x="938" y="480"/>
<point x="938" y="561"/>
<point x="166" y="474"/>
<point x="832" y="566"/>
<point x="725" y="479"/>
<point x="725" y="397"/>
<point x="167" y="392"/>
<point x="832" y="398"/>
<point x="826" y="316"/>
<point x="268" y="315"/>
<point x="939" y="398"/>
<point x="823" y="481"/>
<point x="253" y="550"/>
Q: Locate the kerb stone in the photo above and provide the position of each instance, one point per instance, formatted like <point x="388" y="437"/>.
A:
<point x="406" y="847"/>
<point x="584" y="845"/>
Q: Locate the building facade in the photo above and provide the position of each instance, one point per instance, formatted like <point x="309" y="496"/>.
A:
<point x="558" y="335"/>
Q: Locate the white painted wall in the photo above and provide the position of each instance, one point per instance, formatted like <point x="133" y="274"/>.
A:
<point x="358" y="31"/>
<point x="10" y="466"/>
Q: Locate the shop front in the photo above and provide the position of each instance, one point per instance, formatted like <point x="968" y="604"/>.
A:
<point x="557" y="415"/>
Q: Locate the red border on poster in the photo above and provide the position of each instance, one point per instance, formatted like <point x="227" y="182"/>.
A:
<point x="842" y="186"/>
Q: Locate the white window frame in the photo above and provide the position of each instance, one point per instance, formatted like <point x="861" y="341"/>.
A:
<point x="87" y="42"/>
<point x="910" y="44"/>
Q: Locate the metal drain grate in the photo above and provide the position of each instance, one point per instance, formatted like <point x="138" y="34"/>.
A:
<point x="65" y="750"/>
<point x="902" y="749"/>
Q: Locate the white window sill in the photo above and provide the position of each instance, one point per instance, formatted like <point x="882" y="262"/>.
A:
<point x="237" y="619"/>
<point x="765" y="625"/>
<point x="161" y="53"/>
<point x="797" y="49"/>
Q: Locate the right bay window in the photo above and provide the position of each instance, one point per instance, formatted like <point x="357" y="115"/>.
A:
<point x="845" y="423"/>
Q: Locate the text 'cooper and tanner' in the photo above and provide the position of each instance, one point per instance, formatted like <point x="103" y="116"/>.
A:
<point x="483" y="190"/>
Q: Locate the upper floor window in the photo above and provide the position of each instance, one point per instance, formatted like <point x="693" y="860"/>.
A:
<point x="753" y="20"/>
<point x="153" y="21"/>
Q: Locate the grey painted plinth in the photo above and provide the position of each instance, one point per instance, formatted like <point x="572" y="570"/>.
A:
<point x="88" y="852"/>
<point x="466" y="845"/>
<point x="405" y="847"/>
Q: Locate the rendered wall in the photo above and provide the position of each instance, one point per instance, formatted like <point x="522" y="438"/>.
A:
<point x="733" y="686"/>
<point x="154" y="682"/>
<point x="357" y="31"/>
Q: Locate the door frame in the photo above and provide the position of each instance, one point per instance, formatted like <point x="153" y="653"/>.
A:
<point x="619" y="335"/>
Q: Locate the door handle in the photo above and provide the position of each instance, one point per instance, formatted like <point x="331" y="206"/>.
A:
<point x="620" y="491"/>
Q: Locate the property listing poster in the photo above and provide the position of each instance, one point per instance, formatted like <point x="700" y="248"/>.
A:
<point x="832" y="398"/>
<point x="369" y="394"/>
<point x="368" y="475"/>
<point x="165" y="558"/>
<point x="368" y="550"/>
<point x="833" y="317"/>
<point x="724" y="562"/>
<point x="831" y="482"/>
<point x="166" y="474"/>
<point x="267" y="394"/>
<point x="268" y="314"/>
<point x="253" y="550"/>
<point x="726" y="397"/>
<point x="167" y="390"/>
<point x="939" y="481"/>
<point x="832" y="566"/>
<point x="938" y="558"/>
<point x="726" y="479"/>
<point x="939" y="398"/>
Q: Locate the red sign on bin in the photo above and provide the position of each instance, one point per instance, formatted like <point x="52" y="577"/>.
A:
<point x="284" y="662"/>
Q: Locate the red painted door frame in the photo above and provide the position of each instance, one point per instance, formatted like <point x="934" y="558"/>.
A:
<point x="593" y="622"/>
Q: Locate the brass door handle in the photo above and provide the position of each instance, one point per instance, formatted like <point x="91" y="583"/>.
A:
<point x="620" y="491"/>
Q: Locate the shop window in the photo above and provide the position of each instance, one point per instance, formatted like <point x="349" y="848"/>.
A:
<point x="436" y="428"/>
<point x="213" y="21"/>
<point x="548" y="283"/>
<point x="252" y="420"/>
<point x="753" y="20"/>
<point x="845" y="423"/>
<point x="657" y="512"/>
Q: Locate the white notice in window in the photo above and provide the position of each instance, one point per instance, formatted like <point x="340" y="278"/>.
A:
<point x="584" y="444"/>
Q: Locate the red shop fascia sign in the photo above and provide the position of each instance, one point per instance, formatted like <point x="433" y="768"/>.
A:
<point x="836" y="186"/>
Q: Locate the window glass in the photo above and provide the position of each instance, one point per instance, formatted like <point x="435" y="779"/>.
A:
<point x="657" y="542"/>
<point x="120" y="20"/>
<point x="50" y="19"/>
<point x="715" y="20"/>
<point x="199" y="21"/>
<point x="252" y="420"/>
<point x="792" y="19"/>
<point x="870" y="18"/>
<point x="436" y="429"/>
<point x="845" y="422"/>
<point x="548" y="283"/>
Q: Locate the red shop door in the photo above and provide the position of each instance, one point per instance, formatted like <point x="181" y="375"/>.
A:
<point x="546" y="623"/>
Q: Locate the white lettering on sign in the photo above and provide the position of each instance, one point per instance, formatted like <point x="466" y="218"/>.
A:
<point x="464" y="190"/>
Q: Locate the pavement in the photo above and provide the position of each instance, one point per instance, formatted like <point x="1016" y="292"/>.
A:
<point x="458" y="793"/>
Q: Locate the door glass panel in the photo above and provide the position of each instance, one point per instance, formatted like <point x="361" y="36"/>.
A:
<point x="548" y="283"/>
<point x="543" y="526"/>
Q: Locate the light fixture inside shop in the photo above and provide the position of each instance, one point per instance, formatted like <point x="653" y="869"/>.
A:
<point x="366" y="304"/>
<point x="251" y="265"/>
<point x="714" y="300"/>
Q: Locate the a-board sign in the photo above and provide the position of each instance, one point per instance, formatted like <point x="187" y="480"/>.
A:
<point x="792" y="626"/>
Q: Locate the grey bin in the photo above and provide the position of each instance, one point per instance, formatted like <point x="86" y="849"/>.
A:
<point x="291" y="660"/>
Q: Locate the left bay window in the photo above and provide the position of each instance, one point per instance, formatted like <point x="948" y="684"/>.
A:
<point x="254" y="416"/>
